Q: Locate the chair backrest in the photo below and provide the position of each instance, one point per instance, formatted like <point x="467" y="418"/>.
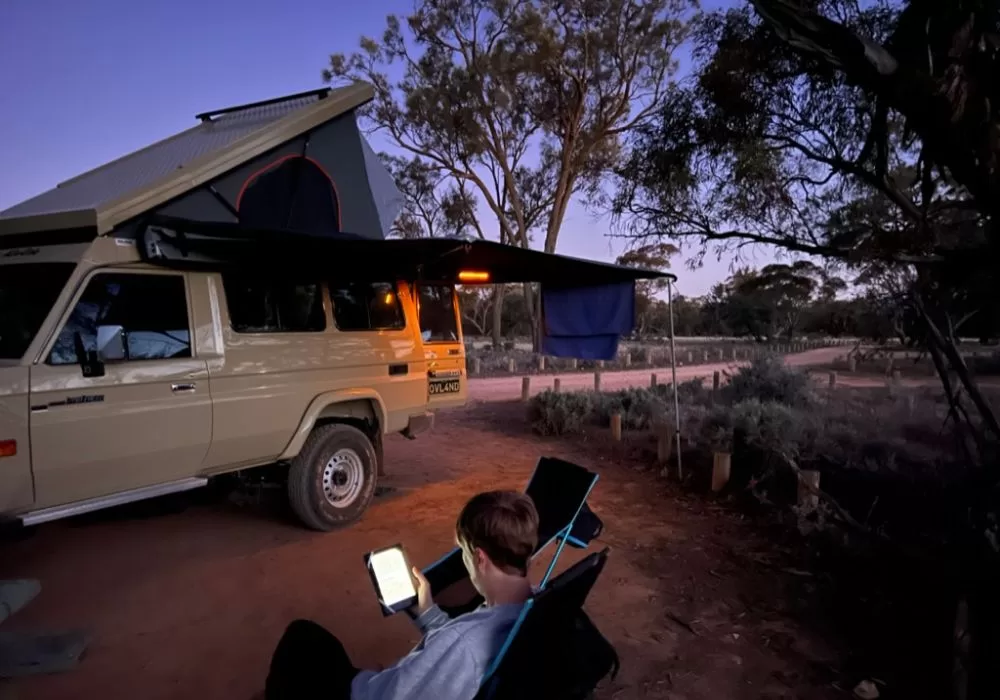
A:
<point x="554" y="651"/>
<point x="559" y="489"/>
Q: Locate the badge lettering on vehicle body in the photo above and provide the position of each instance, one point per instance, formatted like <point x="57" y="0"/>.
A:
<point x="71" y="401"/>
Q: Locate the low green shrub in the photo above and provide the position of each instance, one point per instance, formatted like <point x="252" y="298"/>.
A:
<point x="639" y="407"/>
<point x="764" y="425"/>
<point x="552" y="413"/>
<point x="768" y="379"/>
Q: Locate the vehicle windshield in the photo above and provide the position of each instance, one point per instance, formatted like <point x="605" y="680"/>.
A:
<point x="27" y="292"/>
<point x="438" y="320"/>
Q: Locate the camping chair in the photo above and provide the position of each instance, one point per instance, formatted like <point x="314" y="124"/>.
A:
<point x="559" y="490"/>
<point x="554" y="651"/>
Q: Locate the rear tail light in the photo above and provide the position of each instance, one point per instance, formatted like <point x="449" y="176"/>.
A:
<point x="8" y="448"/>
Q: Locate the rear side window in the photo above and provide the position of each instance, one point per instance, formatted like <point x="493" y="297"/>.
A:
<point x="366" y="306"/>
<point x="151" y="309"/>
<point x="438" y="320"/>
<point x="259" y="305"/>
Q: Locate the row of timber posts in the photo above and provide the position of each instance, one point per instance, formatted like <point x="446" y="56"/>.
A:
<point x="808" y="480"/>
<point x="651" y="355"/>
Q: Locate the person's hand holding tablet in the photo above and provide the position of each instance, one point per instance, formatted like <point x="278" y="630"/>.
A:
<point x="425" y="600"/>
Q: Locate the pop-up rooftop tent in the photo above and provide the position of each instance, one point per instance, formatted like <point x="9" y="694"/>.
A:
<point x="295" y="162"/>
<point x="291" y="184"/>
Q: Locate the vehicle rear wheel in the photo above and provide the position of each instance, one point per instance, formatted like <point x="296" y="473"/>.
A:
<point x="332" y="480"/>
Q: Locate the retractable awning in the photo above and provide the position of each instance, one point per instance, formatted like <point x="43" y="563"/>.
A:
<point x="586" y="306"/>
<point x="183" y="243"/>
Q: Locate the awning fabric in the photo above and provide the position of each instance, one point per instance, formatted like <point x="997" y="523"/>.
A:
<point x="183" y="243"/>
<point x="586" y="306"/>
<point x="587" y="322"/>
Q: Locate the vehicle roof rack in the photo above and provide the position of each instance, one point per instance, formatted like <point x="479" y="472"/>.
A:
<point x="319" y="93"/>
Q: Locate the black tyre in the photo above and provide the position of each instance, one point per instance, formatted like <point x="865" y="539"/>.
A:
<point x="332" y="480"/>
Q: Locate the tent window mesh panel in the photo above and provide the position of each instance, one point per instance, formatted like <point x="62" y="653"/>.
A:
<point x="293" y="193"/>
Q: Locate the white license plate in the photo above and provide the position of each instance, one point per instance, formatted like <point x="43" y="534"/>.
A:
<point x="451" y="386"/>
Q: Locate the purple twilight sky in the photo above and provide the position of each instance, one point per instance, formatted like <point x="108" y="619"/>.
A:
<point x="82" y="83"/>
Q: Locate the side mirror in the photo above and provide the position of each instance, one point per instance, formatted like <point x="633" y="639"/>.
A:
<point x="111" y="345"/>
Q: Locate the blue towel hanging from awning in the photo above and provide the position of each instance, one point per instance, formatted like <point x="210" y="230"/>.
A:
<point x="587" y="322"/>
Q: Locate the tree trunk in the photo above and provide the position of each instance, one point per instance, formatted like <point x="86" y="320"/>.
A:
<point x="497" y="324"/>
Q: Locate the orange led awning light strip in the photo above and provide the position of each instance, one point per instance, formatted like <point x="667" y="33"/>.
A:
<point x="468" y="276"/>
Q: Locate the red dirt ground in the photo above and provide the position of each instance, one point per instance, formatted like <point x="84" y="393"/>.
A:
<point x="189" y="604"/>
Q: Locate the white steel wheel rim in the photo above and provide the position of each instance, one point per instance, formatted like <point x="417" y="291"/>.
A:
<point x="343" y="478"/>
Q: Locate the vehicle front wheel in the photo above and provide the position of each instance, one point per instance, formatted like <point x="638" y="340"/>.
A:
<point x="332" y="480"/>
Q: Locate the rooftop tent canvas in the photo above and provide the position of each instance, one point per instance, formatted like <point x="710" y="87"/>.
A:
<point x="326" y="181"/>
<point x="293" y="163"/>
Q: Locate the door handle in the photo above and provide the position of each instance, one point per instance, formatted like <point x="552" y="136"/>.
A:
<point x="178" y="388"/>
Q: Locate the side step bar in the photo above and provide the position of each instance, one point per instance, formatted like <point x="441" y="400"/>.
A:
<point x="45" y="515"/>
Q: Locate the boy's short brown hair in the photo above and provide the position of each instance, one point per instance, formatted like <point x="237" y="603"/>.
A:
<point x="504" y="524"/>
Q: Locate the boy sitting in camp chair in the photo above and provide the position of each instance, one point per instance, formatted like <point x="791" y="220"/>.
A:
<point x="497" y="533"/>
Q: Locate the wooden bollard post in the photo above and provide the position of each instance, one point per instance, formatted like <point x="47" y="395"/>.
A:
<point x="556" y="385"/>
<point x="616" y="427"/>
<point x="690" y="357"/>
<point x="808" y="488"/>
<point x="477" y="365"/>
<point x="572" y="364"/>
<point x="652" y="380"/>
<point x="511" y="366"/>
<point x="525" y="388"/>
<point x="541" y="363"/>
<point x="833" y="380"/>
<point x="721" y="464"/>
<point x="735" y="354"/>
<point x="665" y="443"/>
<point x="600" y="364"/>
<point x="627" y="360"/>
<point x="704" y="356"/>
<point x="721" y="354"/>
<point x="852" y="363"/>
<point x="597" y="381"/>
<point x="716" y="381"/>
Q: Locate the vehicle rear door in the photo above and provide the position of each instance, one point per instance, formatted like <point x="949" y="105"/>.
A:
<point x="441" y="333"/>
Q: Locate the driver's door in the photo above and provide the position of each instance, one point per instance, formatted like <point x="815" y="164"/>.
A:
<point x="147" y="420"/>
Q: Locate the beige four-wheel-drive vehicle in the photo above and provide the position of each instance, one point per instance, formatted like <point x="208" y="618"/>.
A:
<point x="199" y="308"/>
<point x="120" y="380"/>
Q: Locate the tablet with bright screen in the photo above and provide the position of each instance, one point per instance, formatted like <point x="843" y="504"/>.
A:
<point x="390" y="573"/>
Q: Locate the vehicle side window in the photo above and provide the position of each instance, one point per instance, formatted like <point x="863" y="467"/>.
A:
<point x="436" y="306"/>
<point x="151" y="309"/>
<point x="259" y="305"/>
<point x="366" y="306"/>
